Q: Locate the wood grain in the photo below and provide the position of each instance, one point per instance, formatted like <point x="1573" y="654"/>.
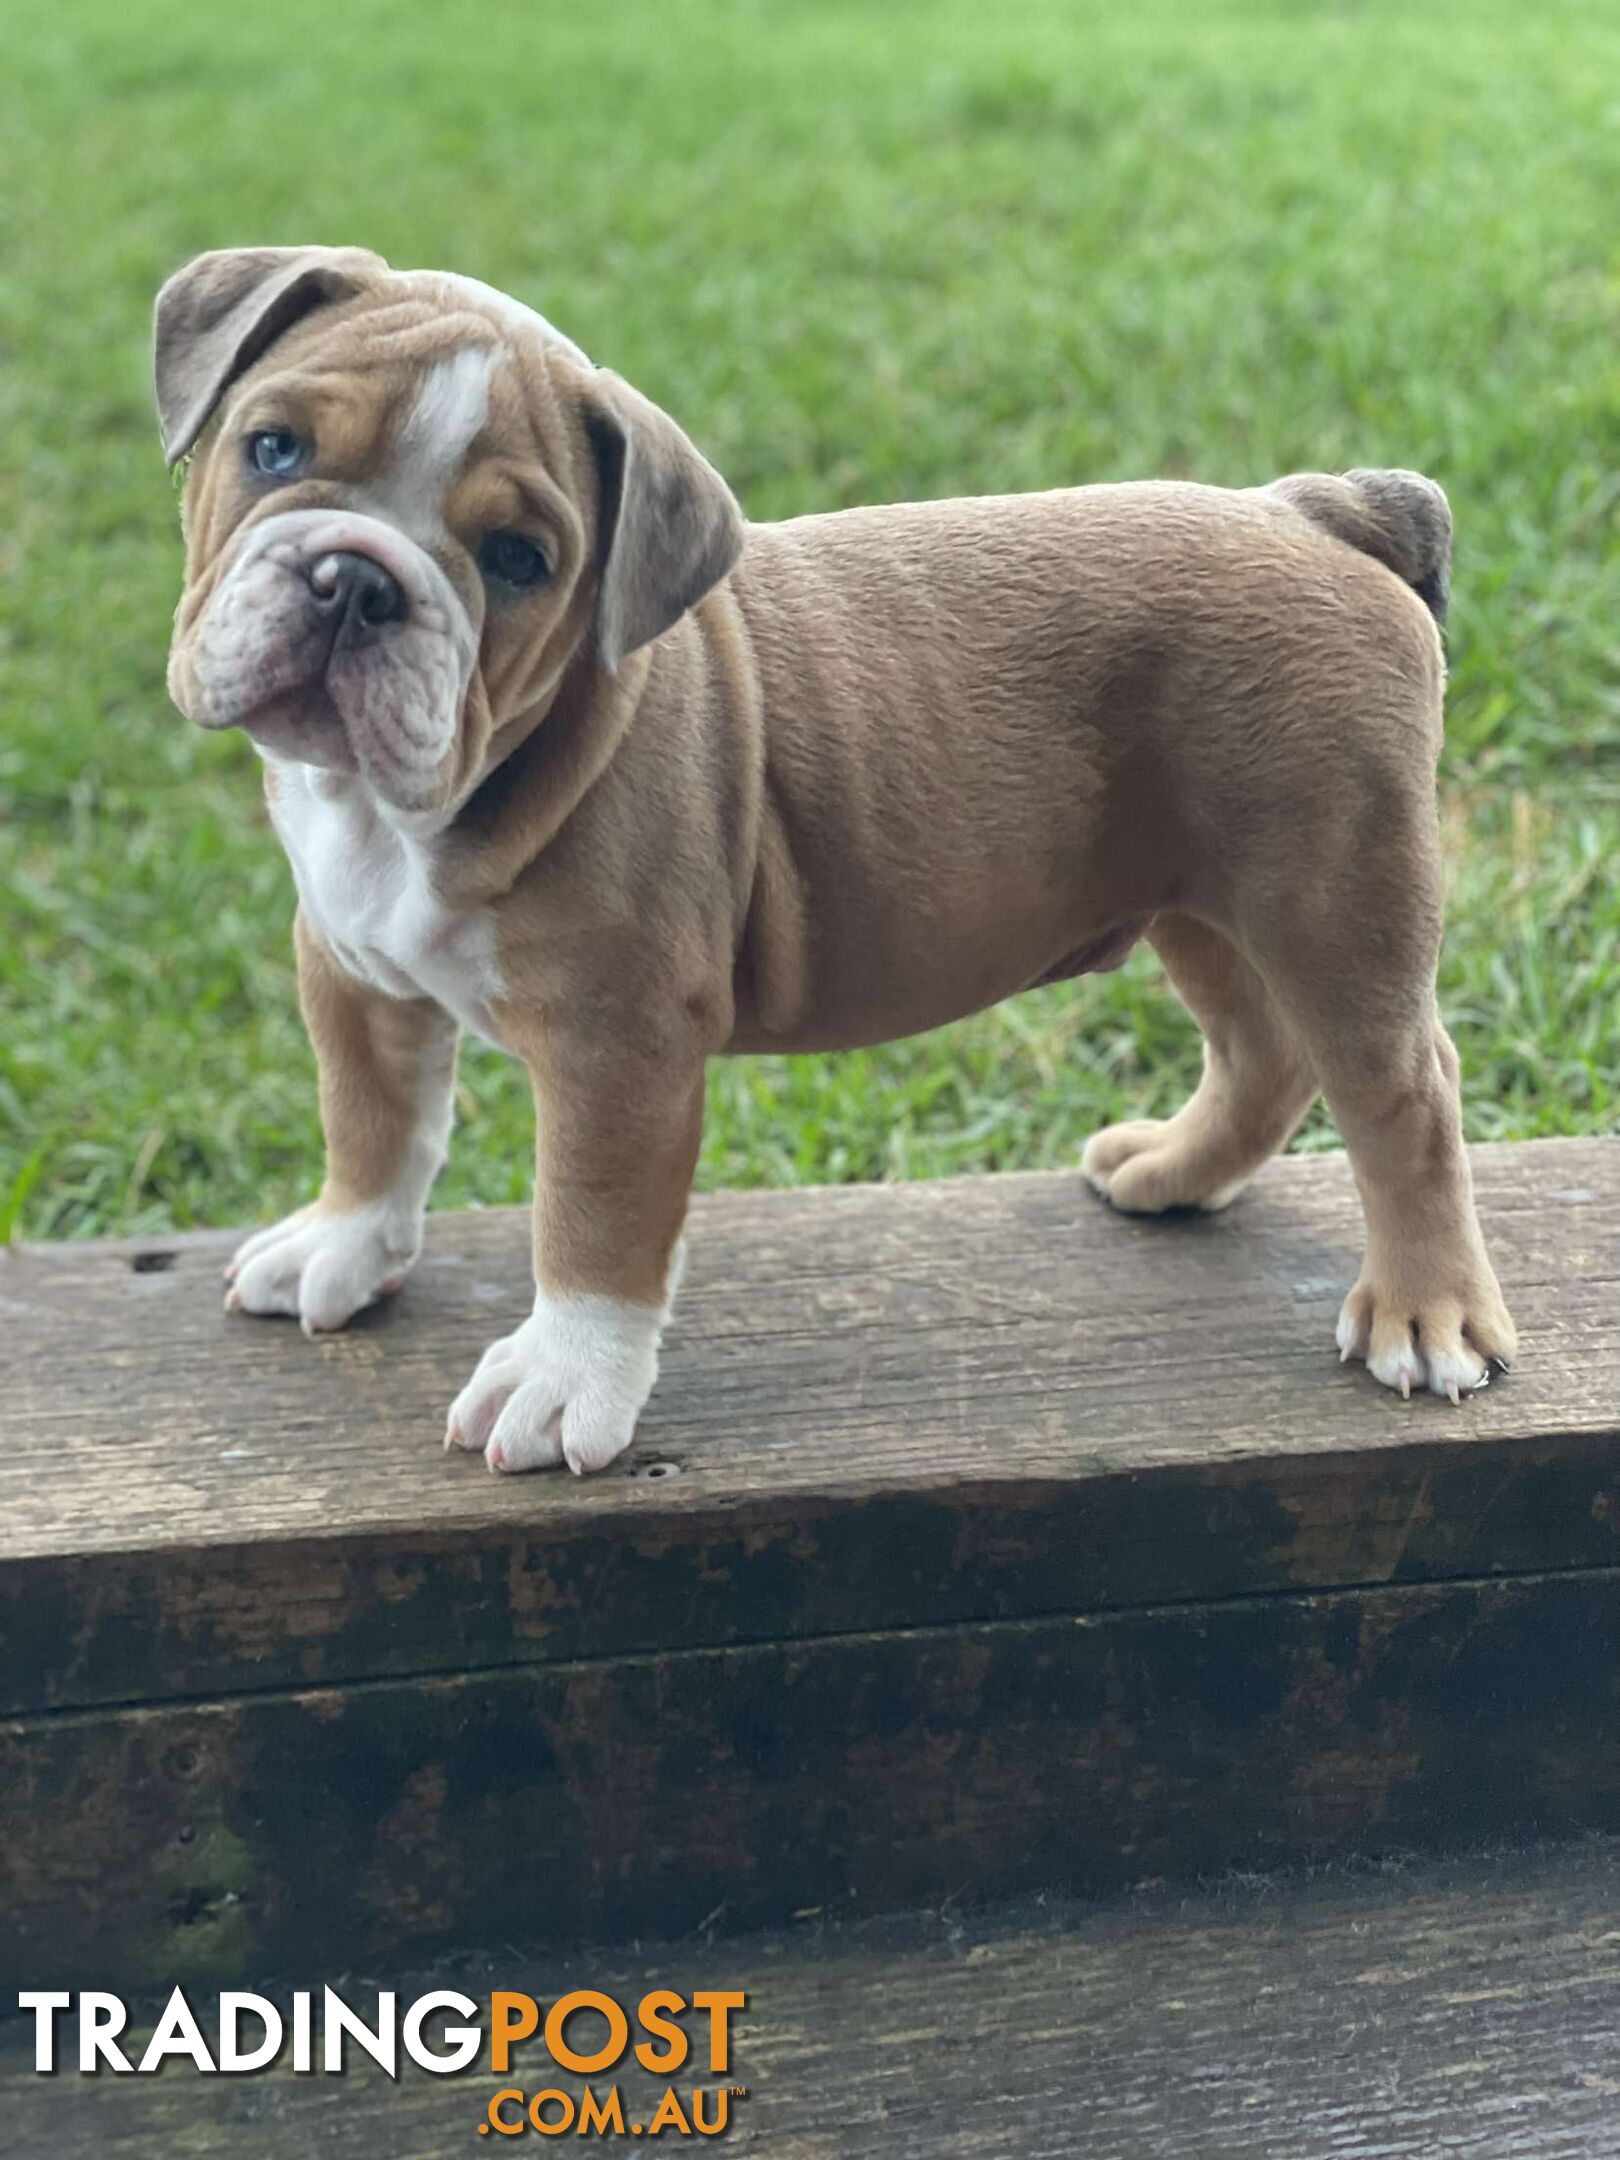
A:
<point x="1467" y="2007"/>
<point x="977" y="1540"/>
<point x="607" y="1799"/>
<point x="881" y="1408"/>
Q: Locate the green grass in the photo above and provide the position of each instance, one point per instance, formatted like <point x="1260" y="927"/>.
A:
<point x="863" y="252"/>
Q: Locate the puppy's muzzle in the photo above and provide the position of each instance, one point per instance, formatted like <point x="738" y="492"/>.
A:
<point x="336" y="639"/>
<point x="357" y="596"/>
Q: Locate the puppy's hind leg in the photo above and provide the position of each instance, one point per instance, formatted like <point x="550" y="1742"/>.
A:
<point x="1358" y="985"/>
<point x="1258" y="1084"/>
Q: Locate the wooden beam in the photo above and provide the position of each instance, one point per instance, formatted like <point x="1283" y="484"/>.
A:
<point x="977" y="1538"/>
<point x="629" y="1796"/>
<point x="880" y="1407"/>
<point x="1466" y="2006"/>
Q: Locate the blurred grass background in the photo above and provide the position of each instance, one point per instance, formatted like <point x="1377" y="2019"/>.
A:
<point x="862" y="252"/>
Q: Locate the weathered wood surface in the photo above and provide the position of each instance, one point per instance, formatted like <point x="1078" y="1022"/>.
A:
<point x="972" y="1401"/>
<point x="999" y="1542"/>
<point x="1469" y="2008"/>
<point x="607" y="1799"/>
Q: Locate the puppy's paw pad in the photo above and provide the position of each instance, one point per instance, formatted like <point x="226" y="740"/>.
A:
<point x="321" y="1267"/>
<point x="1143" y="1169"/>
<point x="566" y="1387"/>
<point x="1108" y="1151"/>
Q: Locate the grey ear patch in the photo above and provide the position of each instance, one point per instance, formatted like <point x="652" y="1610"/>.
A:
<point x="671" y="528"/>
<point x="215" y="317"/>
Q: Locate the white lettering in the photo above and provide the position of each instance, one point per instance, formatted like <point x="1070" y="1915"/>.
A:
<point x="462" y="2041"/>
<point x="101" y="2019"/>
<point x="337" y="2019"/>
<point x="44" y="2005"/>
<point x="177" y="2033"/>
<point x="232" y="2054"/>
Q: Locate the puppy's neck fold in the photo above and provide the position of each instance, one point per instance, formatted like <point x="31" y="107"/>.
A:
<point x="543" y="764"/>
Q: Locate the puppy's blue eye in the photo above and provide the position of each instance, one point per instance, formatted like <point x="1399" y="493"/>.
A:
<point x="512" y="559"/>
<point x="277" y="451"/>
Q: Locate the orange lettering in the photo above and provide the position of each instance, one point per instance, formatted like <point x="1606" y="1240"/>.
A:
<point x="659" y="2026"/>
<point x="565" y="2121"/>
<point x="504" y="2123"/>
<point x="618" y="2031"/>
<point x="593" y="2115"/>
<point x="718" y="2006"/>
<point x="669" y="2116"/>
<point x="722" y="2110"/>
<point x="511" y="2017"/>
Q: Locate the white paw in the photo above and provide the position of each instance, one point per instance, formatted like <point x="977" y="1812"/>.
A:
<point x="567" y="1386"/>
<point x="1429" y="1351"/>
<point x="1456" y="1372"/>
<point x="1399" y="1365"/>
<point x="322" y="1267"/>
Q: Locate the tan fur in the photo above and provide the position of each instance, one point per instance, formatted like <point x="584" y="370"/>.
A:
<point x="900" y="763"/>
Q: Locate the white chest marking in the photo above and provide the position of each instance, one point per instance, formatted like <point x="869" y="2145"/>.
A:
<point x="368" y="892"/>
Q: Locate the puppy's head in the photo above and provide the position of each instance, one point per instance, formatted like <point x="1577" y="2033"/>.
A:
<point x="411" y="502"/>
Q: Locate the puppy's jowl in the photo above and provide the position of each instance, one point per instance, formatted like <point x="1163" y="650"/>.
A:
<point x="563" y="751"/>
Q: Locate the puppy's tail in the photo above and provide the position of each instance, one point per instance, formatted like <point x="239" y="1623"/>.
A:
<point x="1401" y="518"/>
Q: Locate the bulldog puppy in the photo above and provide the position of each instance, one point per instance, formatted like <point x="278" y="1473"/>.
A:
<point x="565" y="752"/>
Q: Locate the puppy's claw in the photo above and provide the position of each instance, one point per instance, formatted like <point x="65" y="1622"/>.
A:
<point x="1427" y="1344"/>
<point x="233" y="1300"/>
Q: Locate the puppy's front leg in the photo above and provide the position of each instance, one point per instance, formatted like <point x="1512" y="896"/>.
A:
<point x="387" y="1076"/>
<point x="618" y="1128"/>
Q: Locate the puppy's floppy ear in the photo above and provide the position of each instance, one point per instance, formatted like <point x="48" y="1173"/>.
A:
<point x="670" y="527"/>
<point x="217" y="315"/>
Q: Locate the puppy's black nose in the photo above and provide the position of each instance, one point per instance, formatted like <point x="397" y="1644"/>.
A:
<point x="357" y="594"/>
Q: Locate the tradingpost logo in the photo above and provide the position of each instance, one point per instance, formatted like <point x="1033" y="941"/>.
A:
<point x="585" y="2033"/>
